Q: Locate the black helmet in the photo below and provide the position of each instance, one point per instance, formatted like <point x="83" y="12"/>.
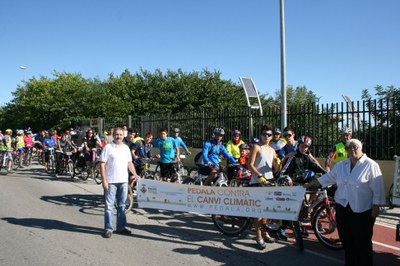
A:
<point x="306" y="140"/>
<point x="244" y="146"/>
<point x="219" y="131"/>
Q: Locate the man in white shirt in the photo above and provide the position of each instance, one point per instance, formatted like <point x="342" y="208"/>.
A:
<point x="360" y="192"/>
<point x="115" y="160"/>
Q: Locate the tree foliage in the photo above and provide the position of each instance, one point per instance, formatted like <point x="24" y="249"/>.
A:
<point x="66" y="99"/>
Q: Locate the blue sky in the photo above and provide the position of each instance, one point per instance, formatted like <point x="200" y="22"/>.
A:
<point x="333" y="48"/>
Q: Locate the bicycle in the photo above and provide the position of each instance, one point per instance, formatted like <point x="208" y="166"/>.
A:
<point x="174" y="174"/>
<point x="66" y="164"/>
<point x="196" y="178"/>
<point x="16" y="160"/>
<point x="4" y="161"/>
<point x="51" y="163"/>
<point x="28" y="156"/>
<point x="80" y="166"/>
<point x="94" y="166"/>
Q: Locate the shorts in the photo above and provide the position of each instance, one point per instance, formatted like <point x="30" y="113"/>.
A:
<point x="21" y="150"/>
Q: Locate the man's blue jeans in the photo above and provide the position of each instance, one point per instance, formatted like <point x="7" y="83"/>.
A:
<point x="119" y="192"/>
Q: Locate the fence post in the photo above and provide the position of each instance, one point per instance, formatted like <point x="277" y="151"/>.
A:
<point x="129" y="121"/>
<point x="203" y="134"/>
<point x="250" y="115"/>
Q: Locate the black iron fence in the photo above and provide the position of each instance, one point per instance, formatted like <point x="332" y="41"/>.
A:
<point x="375" y="123"/>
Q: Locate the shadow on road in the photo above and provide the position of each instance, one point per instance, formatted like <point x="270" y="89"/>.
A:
<point x="47" y="224"/>
<point x="89" y="203"/>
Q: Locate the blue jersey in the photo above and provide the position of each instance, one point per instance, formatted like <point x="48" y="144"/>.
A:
<point x="49" y="142"/>
<point x="167" y="149"/>
<point x="287" y="149"/>
<point x="180" y="143"/>
<point x="213" y="156"/>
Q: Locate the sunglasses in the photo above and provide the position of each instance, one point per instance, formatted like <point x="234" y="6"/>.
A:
<point x="287" y="135"/>
<point x="266" y="134"/>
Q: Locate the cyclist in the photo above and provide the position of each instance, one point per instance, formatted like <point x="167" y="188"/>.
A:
<point x="297" y="166"/>
<point x="262" y="161"/>
<point x="38" y="141"/>
<point x="301" y="168"/>
<point x="232" y="147"/>
<point x="28" y="144"/>
<point x="212" y="150"/>
<point x="277" y="142"/>
<point x="90" y="143"/>
<point x="7" y="146"/>
<point x="291" y="143"/>
<point x="179" y="141"/>
<point x="290" y="149"/>
<point x="168" y="152"/>
<point x="135" y="136"/>
<point x="64" y="145"/>
<point x="141" y="150"/>
<point x="20" y="146"/>
<point x="338" y="152"/>
<point x="48" y="142"/>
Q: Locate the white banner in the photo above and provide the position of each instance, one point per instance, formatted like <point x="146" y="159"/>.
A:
<point x="281" y="203"/>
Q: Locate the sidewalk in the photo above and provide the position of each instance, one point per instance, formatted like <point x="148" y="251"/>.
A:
<point x="389" y="217"/>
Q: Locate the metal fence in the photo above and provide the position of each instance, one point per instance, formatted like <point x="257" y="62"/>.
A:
<point x="375" y="123"/>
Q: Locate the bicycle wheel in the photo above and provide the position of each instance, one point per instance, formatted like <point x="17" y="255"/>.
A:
<point x="188" y="181"/>
<point x="146" y="174"/>
<point x="40" y="158"/>
<point x="4" y="164"/>
<point x="391" y="205"/>
<point x="324" y="226"/>
<point x="234" y="182"/>
<point x="15" y="164"/>
<point x="97" y="176"/>
<point x="157" y="174"/>
<point x="51" y="166"/>
<point x="183" y="171"/>
<point x="297" y="236"/>
<point x="230" y="225"/>
<point x="71" y="168"/>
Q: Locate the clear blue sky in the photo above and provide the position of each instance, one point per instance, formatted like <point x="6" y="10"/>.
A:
<point x="332" y="47"/>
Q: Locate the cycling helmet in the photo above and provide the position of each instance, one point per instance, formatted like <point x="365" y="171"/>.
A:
<point x="175" y="130"/>
<point x="244" y="146"/>
<point x="306" y="140"/>
<point x="20" y="132"/>
<point x="276" y="130"/>
<point x="235" y="132"/>
<point x="219" y="131"/>
<point x="28" y="132"/>
<point x="255" y="140"/>
<point x="346" y="130"/>
<point x="9" y="131"/>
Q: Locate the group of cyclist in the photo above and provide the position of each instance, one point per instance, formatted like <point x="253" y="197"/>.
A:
<point x="44" y="142"/>
<point x="266" y="158"/>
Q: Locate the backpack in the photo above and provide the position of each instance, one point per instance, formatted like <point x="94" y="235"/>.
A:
<point x="198" y="159"/>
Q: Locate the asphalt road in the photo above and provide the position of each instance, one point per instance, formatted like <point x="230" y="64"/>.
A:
<point x="49" y="221"/>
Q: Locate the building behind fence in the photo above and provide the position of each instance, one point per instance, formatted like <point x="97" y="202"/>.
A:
<point x="375" y="123"/>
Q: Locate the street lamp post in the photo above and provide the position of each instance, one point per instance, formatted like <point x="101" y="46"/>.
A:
<point x="283" y="68"/>
<point x="24" y="69"/>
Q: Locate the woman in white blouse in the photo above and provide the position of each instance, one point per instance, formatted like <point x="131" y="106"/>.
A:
<point x="360" y="192"/>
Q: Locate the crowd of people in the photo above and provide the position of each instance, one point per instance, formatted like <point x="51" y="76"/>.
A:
<point x="358" y="179"/>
